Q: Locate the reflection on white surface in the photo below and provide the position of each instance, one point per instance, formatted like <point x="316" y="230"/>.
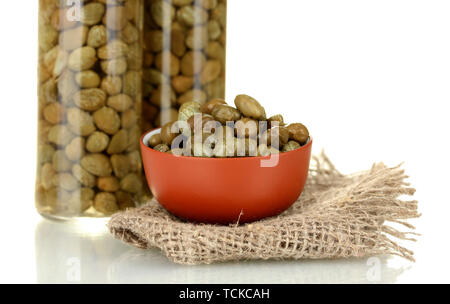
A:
<point x="86" y="253"/>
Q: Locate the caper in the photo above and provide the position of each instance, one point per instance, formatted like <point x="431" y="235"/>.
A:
<point x="276" y="135"/>
<point x="179" y="152"/>
<point x="250" y="107"/>
<point x="162" y="148"/>
<point x="155" y="140"/>
<point x="208" y="107"/>
<point x="298" y="132"/>
<point x="167" y="135"/>
<point x="276" y="119"/>
<point x="188" y="109"/>
<point x="291" y="146"/>
<point x="224" y="114"/>
<point x="202" y="119"/>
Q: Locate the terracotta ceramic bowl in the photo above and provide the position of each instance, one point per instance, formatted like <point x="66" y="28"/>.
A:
<point x="222" y="191"/>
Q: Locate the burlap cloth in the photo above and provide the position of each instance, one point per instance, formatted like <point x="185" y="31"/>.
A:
<point x="337" y="216"/>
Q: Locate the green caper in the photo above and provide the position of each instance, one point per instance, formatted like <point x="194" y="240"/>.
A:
<point x="250" y="107"/>
<point x="188" y="109"/>
<point x="177" y="152"/>
<point x="291" y="146"/>
<point x="208" y="107"/>
<point x="162" y="148"/>
<point x="224" y="114"/>
<point x="167" y="135"/>
<point x="298" y="132"/>
<point x="155" y="140"/>
<point x="276" y="119"/>
<point x="203" y="118"/>
<point x="277" y="134"/>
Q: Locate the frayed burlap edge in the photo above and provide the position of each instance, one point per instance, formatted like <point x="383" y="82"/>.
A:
<point x="337" y="216"/>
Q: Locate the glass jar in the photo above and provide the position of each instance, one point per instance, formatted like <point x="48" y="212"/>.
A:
<point x="184" y="56"/>
<point x="90" y="107"/>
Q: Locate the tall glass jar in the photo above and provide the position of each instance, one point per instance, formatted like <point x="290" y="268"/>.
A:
<point x="90" y="107"/>
<point x="184" y="56"/>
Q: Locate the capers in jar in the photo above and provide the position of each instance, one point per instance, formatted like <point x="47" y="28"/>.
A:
<point x="91" y="107"/>
<point x="184" y="54"/>
<point x="106" y="203"/>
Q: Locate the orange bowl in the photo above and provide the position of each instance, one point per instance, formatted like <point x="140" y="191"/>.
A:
<point x="228" y="190"/>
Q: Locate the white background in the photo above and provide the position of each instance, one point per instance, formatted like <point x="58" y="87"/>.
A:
<point x="371" y="79"/>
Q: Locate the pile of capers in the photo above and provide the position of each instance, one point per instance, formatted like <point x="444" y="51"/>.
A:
<point x="215" y="129"/>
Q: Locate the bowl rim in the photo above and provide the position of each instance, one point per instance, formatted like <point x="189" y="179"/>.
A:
<point x="152" y="132"/>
